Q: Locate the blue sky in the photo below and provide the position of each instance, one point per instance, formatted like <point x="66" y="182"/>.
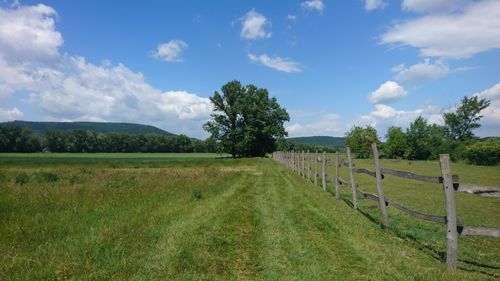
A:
<point x="331" y="64"/>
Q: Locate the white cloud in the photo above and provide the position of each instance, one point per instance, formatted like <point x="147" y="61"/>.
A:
<point x="170" y="51"/>
<point x="277" y="63"/>
<point x="491" y="115"/>
<point x="68" y="88"/>
<point x="385" y="116"/>
<point x="463" y="34"/>
<point x="28" y="33"/>
<point x="317" y="5"/>
<point x="326" y="124"/>
<point x="384" y="111"/>
<point x="371" y="5"/>
<point x="388" y="92"/>
<point x="432" y="6"/>
<point x="253" y="26"/>
<point x="291" y="17"/>
<point x="84" y="91"/>
<point x="10" y="114"/>
<point x="405" y="117"/>
<point x="421" y="72"/>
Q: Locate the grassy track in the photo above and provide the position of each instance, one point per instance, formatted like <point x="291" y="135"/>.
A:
<point x="207" y="219"/>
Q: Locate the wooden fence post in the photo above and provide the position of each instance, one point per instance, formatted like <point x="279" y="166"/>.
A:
<point x="292" y="156"/>
<point x="316" y="159"/>
<point x="380" y="189"/>
<point x="451" y="216"/>
<point x="323" y="171"/>
<point x="353" y="181"/>
<point x="337" y="167"/>
<point x="308" y="166"/>
<point x="298" y="163"/>
<point x="303" y="164"/>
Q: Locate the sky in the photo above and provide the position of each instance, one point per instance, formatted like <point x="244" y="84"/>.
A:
<point x="331" y="64"/>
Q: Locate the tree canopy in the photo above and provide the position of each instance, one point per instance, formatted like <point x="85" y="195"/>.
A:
<point x="246" y="122"/>
<point x="396" y="144"/>
<point x="459" y="124"/>
<point x="359" y="139"/>
<point x="22" y="139"/>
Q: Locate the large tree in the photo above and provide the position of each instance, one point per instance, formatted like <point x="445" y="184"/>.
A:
<point x="246" y="122"/>
<point x="459" y="124"/>
<point x="418" y="137"/>
<point x="396" y="143"/>
<point x="359" y="139"/>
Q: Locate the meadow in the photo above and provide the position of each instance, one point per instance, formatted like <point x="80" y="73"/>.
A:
<point x="206" y="217"/>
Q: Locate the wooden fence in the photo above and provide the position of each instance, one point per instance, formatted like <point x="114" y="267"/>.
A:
<point x="299" y="162"/>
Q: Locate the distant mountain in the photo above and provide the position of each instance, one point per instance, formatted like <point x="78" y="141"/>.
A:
<point x="97" y="127"/>
<point x="324" y="141"/>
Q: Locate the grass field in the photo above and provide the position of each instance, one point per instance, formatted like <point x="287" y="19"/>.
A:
<point x="164" y="217"/>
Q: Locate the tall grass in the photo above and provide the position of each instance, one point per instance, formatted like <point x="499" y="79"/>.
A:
<point x="219" y="219"/>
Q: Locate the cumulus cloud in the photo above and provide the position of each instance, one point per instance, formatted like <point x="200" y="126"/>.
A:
<point x="68" y="88"/>
<point x="10" y="114"/>
<point x="371" y="5"/>
<point x="462" y="34"/>
<point x="170" y="51"/>
<point x="277" y="63"/>
<point x="491" y="115"/>
<point x="388" y="92"/>
<point x="404" y="117"/>
<point x="316" y="5"/>
<point x="326" y="124"/>
<point x="28" y="33"/>
<point x="254" y="26"/>
<point x="385" y="116"/>
<point x="432" y="6"/>
<point x="421" y="72"/>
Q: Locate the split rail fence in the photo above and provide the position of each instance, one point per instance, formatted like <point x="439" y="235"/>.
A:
<point x="299" y="162"/>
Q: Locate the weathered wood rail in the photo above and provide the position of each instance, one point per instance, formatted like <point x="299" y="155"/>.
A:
<point x="454" y="226"/>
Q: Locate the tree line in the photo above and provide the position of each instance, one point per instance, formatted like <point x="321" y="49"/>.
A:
<point x="290" y="145"/>
<point x="21" y="139"/>
<point x="424" y="141"/>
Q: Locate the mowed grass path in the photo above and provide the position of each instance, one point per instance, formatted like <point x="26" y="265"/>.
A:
<point x="195" y="219"/>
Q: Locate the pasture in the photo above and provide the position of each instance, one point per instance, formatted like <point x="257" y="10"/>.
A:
<point x="202" y="217"/>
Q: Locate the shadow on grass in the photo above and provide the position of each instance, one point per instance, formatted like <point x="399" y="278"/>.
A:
<point x="431" y="250"/>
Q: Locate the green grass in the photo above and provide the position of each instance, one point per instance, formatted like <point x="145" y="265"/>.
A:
<point x="181" y="218"/>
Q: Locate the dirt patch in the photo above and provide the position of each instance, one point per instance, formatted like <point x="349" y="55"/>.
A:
<point x="487" y="191"/>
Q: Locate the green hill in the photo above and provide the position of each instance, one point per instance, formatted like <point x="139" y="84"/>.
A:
<point x="324" y="141"/>
<point x="98" y="127"/>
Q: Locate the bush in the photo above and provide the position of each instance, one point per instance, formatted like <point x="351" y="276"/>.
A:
<point x="22" y="178"/>
<point x="483" y="152"/>
<point x="45" y="177"/>
<point x="196" y="194"/>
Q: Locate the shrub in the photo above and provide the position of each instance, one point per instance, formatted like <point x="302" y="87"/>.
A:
<point x="45" y="177"/>
<point x="197" y="194"/>
<point x="22" y="178"/>
<point x="483" y="152"/>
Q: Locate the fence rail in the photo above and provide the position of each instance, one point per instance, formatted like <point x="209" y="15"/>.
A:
<point x="454" y="226"/>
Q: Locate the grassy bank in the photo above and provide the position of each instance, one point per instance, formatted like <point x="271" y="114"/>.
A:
<point x="213" y="219"/>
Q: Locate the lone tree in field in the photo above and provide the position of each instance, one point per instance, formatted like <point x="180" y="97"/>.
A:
<point x="246" y="122"/>
<point x="459" y="124"/>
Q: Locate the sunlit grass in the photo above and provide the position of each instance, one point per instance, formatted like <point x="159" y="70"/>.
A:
<point x="221" y="219"/>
